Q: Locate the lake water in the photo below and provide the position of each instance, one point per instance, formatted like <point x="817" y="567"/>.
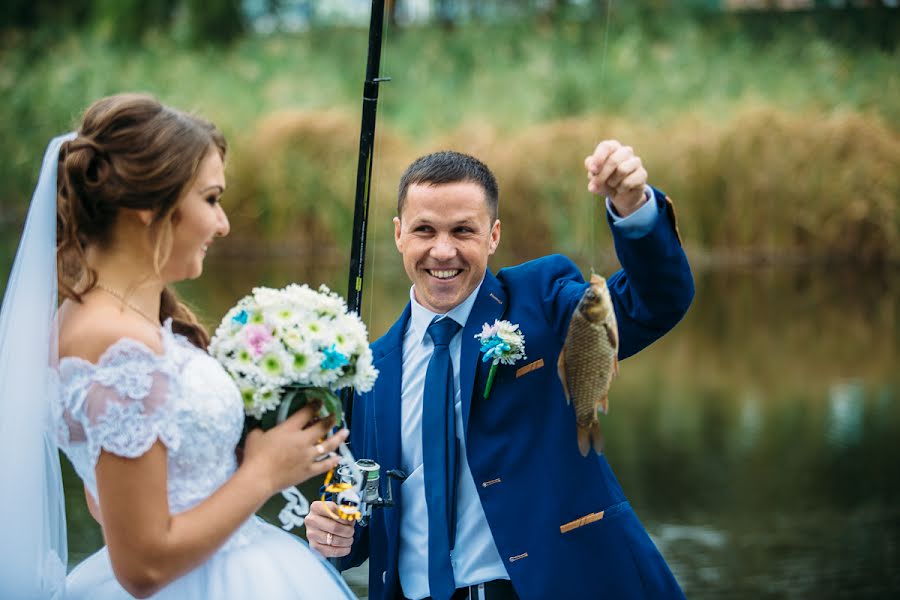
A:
<point x="759" y="441"/>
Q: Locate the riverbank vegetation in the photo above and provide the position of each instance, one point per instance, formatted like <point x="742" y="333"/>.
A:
<point x="775" y="146"/>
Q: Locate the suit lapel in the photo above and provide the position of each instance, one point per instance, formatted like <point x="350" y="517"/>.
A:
<point x="490" y="304"/>
<point x="388" y="359"/>
<point x="387" y="392"/>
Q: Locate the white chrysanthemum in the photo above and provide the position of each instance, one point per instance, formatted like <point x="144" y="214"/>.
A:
<point x="294" y="340"/>
<point x="366" y="373"/>
<point x="488" y="330"/>
<point x="507" y="333"/>
<point x="305" y="362"/>
<point x="266" y="297"/>
<point x="511" y="334"/>
<point x="264" y="399"/>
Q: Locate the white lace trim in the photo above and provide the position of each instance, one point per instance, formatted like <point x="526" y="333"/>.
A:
<point x="128" y="431"/>
<point x="121" y="404"/>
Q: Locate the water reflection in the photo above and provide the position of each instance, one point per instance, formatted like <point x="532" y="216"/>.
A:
<point x="767" y="425"/>
<point x="758" y="442"/>
<point x="845" y="414"/>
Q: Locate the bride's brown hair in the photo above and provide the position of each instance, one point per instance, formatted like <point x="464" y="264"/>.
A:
<point x="131" y="152"/>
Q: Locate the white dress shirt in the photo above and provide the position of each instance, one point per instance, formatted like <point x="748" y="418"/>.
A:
<point x="475" y="558"/>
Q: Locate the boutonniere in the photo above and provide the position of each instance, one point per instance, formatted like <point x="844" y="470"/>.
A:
<point x="501" y="342"/>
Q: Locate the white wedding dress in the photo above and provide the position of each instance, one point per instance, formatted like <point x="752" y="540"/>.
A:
<point x="185" y="399"/>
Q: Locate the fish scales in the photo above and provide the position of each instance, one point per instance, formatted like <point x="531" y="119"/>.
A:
<point x="589" y="361"/>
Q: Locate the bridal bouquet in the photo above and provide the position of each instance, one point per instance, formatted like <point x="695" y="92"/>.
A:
<point x="286" y="347"/>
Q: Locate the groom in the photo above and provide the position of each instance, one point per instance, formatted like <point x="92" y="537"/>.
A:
<point x="498" y="501"/>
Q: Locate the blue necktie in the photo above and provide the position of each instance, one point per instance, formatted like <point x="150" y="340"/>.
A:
<point x="439" y="454"/>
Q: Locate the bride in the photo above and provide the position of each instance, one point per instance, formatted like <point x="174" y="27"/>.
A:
<point x="148" y="419"/>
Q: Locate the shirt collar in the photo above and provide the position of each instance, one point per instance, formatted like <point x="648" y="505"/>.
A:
<point x="420" y="317"/>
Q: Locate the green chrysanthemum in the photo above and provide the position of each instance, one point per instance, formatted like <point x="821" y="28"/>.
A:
<point x="271" y="364"/>
<point x="247" y="397"/>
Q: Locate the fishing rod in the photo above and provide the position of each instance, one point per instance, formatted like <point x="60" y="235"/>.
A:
<point x="364" y="176"/>
<point x="355" y="485"/>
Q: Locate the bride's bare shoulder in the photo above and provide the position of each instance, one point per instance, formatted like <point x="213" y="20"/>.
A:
<point x="87" y="329"/>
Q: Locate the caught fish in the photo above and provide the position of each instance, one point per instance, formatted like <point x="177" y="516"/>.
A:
<point x="589" y="361"/>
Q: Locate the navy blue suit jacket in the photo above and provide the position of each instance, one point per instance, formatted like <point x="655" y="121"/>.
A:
<point x="521" y="441"/>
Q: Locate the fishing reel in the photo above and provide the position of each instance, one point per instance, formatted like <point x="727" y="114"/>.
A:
<point x="357" y="506"/>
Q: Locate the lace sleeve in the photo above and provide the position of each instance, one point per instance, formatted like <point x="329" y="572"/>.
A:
<point x="123" y="404"/>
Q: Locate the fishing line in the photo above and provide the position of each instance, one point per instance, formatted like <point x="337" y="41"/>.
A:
<point x="596" y="201"/>
<point x="377" y="178"/>
<point x="363" y="208"/>
<point x="364" y="174"/>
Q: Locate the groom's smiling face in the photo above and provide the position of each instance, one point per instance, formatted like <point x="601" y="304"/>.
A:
<point x="445" y="235"/>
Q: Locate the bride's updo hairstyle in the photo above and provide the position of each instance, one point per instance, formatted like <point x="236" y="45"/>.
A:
<point x="130" y="152"/>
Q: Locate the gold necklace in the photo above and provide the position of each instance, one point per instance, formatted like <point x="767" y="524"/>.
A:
<point x="116" y="294"/>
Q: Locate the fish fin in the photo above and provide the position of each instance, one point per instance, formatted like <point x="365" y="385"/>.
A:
<point x="613" y="335"/>
<point x="616" y="366"/>
<point x="561" y="369"/>
<point x="603" y="405"/>
<point x="596" y="438"/>
<point x="584" y="440"/>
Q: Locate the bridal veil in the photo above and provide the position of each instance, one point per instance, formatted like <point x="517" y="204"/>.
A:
<point x="33" y="552"/>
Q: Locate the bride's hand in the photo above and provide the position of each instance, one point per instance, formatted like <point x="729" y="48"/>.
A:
<point x="287" y="454"/>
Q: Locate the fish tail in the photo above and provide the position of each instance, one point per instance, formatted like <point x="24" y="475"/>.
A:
<point x="597" y="438"/>
<point x="584" y="440"/>
<point x="589" y="437"/>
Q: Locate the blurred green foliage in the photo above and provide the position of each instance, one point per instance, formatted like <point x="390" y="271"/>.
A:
<point x="778" y="138"/>
<point x="127" y="21"/>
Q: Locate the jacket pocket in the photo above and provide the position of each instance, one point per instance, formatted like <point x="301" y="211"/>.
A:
<point x="608" y="513"/>
<point x="532" y="366"/>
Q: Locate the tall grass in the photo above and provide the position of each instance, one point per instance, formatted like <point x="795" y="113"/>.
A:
<point x="787" y="146"/>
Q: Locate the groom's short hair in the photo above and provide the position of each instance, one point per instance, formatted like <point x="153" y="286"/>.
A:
<point x="448" y="166"/>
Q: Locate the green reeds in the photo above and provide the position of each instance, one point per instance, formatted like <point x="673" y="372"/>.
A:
<point x="784" y="148"/>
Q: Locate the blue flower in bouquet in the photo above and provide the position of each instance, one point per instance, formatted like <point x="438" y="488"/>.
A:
<point x="334" y="359"/>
